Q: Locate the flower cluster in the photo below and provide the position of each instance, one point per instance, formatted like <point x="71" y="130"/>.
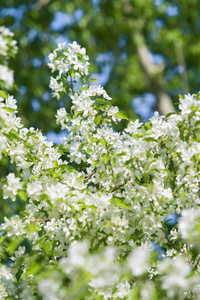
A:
<point x="7" y="48"/>
<point x="67" y="63"/>
<point x="95" y="205"/>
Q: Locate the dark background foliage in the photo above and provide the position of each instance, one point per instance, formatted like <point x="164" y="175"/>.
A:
<point x="137" y="47"/>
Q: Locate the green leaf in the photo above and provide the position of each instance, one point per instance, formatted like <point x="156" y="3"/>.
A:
<point x="34" y="252"/>
<point x="93" y="140"/>
<point x="3" y="94"/>
<point x="67" y="167"/>
<point x="62" y="148"/>
<point x="9" y="109"/>
<point x="103" y="142"/>
<point x="84" y="88"/>
<point x="122" y="115"/>
<point x="150" y="139"/>
<point x="33" y="268"/>
<point x="105" y="158"/>
<point x="169" y="114"/>
<point x="19" y="273"/>
<point x="93" y="79"/>
<point x="78" y="114"/>
<point x="103" y="101"/>
<point x="12" y="135"/>
<point x="14" y="244"/>
<point x="72" y="73"/>
<point x="194" y="108"/>
<point x="29" y="146"/>
<point x="183" y="194"/>
<point x="88" y="151"/>
<point x="120" y="154"/>
<point x="81" y="147"/>
<point x="32" y="228"/>
<point x="120" y="203"/>
<point x="197" y="123"/>
<point x="22" y="195"/>
<point x="146" y="178"/>
<point x="187" y="137"/>
<point x="55" y="162"/>
<point x="30" y="157"/>
<point x="98" y="119"/>
<point x="46" y="246"/>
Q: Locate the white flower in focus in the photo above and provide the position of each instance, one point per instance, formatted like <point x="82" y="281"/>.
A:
<point x="7" y="76"/>
<point x="23" y="133"/>
<point x="170" y="252"/>
<point x="61" y="46"/>
<point x="186" y="103"/>
<point x="82" y="51"/>
<point x="13" y="185"/>
<point x="75" y="46"/>
<point x="14" y="226"/>
<point x="61" y="117"/>
<point x="133" y="127"/>
<point x="52" y="56"/>
<point x="101" y="201"/>
<point x="174" y="234"/>
<point x="112" y="112"/>
<point x="11" y="102"/>
<point x="62" y="67"/>
<point x="55" y="86"/>
<point x="3" y="46"/>
<point x="34" y="189"/>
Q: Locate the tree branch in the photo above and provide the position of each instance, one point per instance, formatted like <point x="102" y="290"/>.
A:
<point x="117" y="187"/>
<point x="153" y="74"/>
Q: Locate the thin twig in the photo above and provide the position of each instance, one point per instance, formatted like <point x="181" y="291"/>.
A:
<point x="151" y="205"/>
<point x="195" y="267"/>
<point x="171" y="243"/>
<point x="117" y="187"/>
<point x="72" y="85"/>
<point x="48" y="219"/>
<point x="109" y="159"/>
<point x="90" y="175"/>
<point x="81" y="166"/>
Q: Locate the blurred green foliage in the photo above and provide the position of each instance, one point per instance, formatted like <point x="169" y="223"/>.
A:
<point x="107" y="29"/>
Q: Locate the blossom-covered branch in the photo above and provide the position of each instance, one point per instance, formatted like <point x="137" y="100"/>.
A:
<point x="104" y="196"/>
